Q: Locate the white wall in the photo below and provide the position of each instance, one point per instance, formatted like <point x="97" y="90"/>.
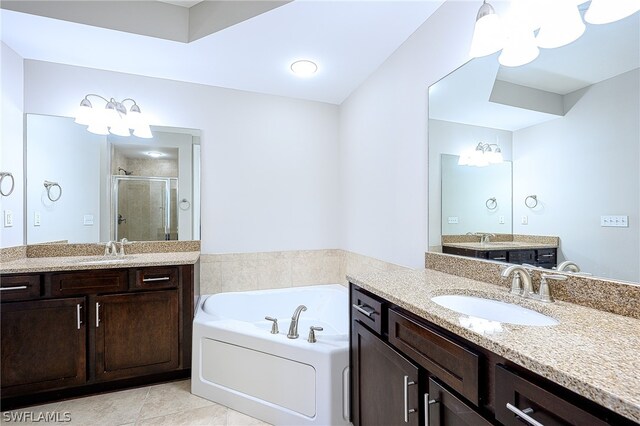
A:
<point x="383" y="140"/>
<point x="11" y="147"/>
<point x="446" y="137"/>
<point x="269" y="164"/>
<point x="582" y="166"/>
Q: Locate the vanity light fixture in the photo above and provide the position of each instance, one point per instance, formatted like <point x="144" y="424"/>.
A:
<point x="304" y="68"/>
<point x="558" y="22"/>
<point x="155" y="154"/>
<point x="483" y="155"/>
<point x="113" y="119"/>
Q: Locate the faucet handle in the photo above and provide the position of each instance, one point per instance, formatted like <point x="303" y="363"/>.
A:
<point x="312" y="333"/>
<point x="274" y="326"/>
<point x="556" y="277"/>
<point x="544" y="293"/>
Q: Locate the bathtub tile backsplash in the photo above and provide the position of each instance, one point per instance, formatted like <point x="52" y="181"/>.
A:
<point x="282" y="269"/>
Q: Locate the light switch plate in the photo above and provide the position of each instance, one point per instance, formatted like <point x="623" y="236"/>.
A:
<point x="453" y="219"/>
<point x="36" y="219"/>
<point x="8" y="218"/>
<point x="501" y="220"/>
<point x="524" y="220"/>
<point x="614" y="221"/>
<point x="87" y="220"/>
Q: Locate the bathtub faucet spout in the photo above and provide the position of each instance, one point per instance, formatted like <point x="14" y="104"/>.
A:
<point x="293" y="328"/>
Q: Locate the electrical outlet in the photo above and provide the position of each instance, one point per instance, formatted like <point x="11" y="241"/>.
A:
<point x="524" y="220"/>
<point x="453" y="219"/>
<point x="614" y="221"/>
<point x="501" y="220"/>
<point x="8" y="218"/>
<point x="87" y="220"/>
<point x="36" y="218"/>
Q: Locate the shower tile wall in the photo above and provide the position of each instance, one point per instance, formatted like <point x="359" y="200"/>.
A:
<point x="268" y="270"/>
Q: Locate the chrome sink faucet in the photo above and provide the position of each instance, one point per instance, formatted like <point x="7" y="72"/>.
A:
<point x="568" y="266"/>
<point x="521" y="284"/>
<point x="110" y="249"/>
<point x="293" y="328"/>
<point x="544" y="293"/>
<point x="123" y="242"/>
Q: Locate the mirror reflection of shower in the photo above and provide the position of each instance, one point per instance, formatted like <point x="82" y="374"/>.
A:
<point x="144" y="203"/>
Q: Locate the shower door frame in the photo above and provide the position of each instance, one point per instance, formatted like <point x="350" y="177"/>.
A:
<point x="166" y="201"/>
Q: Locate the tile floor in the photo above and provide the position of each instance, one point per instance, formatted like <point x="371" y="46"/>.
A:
<point x="164" y="404"/>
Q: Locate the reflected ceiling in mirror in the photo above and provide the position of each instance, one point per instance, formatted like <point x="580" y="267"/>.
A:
<point x="570" y="123"/>
<point x="159" y="181"/>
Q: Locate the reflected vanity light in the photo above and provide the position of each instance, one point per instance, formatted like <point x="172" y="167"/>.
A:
<point x="483" y="155"/>
<point x="113" y="119"/>
<point x="155" y="154"/>
<point x="558" y="22"/>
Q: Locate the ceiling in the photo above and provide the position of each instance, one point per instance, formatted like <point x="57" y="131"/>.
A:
<point x="348" y="40"/>
<point x="603" y="52"/>
<point x="183" y="3"/>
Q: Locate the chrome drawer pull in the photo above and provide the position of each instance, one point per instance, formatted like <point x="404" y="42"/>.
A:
<point x="407" y="411"/>
<point x="523" y="415"/>
<point x="499" y="258"/>
<point x="148" y="280"/>
<point x="547" y="255"/>
<point x="19" y="287"/>
<point x="79" y="321"/>
<point x="360" y="308"/>
<point x="427" y="403"/>
<point x="97" y="314"/>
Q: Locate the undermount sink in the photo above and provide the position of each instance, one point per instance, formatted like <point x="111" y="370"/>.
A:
<point x="493" y="310"/>
<point x="100" y="260"/>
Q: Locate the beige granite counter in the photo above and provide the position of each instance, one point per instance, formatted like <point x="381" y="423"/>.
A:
<point x="593" y="353"/>
<point x="501" y="245"/>
<point x="76" y="263"/>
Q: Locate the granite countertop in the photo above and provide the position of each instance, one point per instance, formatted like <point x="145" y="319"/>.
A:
<point x="77" y="263"/>
<point x="501" y="245"/>
<point x="593" y="353"/>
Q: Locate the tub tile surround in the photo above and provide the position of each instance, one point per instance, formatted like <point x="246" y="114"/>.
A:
<point x="170" y="404"/>
<point x="282" y="269"/>
<point x="590" y="352"/>
<point x="617" y="297"/>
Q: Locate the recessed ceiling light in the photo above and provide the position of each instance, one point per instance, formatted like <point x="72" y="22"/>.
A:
<point x="155" y="154"/>
<point x="304" y="68"/>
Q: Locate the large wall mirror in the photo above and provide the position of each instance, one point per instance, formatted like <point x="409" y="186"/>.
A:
<point x="568" y="126"/>
<point x="85" y="188"/>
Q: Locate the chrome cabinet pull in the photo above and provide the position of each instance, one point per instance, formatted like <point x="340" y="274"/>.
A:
<point x="79" y="321"/>
<point x="147" y="280"/>
<point x="407" y="411"/>
<point x="523" y="414"/>
<point x="18" y="287"/>
<point x="499" y="258"/>
<point x="97" y="314"/>
<point x="360" y="308"/>
<point x="547" y="255"/>
<point x="427" y="403"/>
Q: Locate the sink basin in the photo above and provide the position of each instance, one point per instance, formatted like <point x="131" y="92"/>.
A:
<point x="493" y="310"/>
<point x="100" y="260"/>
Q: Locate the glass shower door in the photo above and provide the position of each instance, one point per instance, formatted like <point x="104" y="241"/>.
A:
<point x="141" y="208"/>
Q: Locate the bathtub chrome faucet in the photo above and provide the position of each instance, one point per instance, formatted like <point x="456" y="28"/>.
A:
<point x="293" y="328"/>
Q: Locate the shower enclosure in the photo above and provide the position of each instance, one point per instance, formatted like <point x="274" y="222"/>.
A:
<point x="145" y="208"/>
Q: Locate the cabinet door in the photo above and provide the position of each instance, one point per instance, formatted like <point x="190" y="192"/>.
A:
<point x="444" y="408"/>
<point x="385" y="384"/>
<point x="43" y="345"/>
<point x="136" y="334"/>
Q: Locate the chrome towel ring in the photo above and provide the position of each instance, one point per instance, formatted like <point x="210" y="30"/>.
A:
<point x="13" y="183"/>
<point x="48" y="185"/>
<point x="184" y="204"/>
<point x="531" y="201"/>
<point x="491" y="203"/>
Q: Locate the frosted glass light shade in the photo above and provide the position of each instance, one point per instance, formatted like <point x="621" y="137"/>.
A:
<point x="607" y="11"/>
<point x="120" y="128"/>
<point x="85" y="114"/>
<point x="520" y="47"/>
<point x="561" y="25"/>
<point x="488" y="36"/>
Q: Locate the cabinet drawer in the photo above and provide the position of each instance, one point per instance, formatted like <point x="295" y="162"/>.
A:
<point x="156" y="277"/>
<point x="19" y="287"/>
<point x="522" y="256"/>
<point x="367" y="310"/>
<point x="536" y="402"/>
<point x="89" y="282"/>
<point x="500" y="255"/>
<point x="451" y="362"/>
<point x="546" y="256"/>
<point x="444" y="408"/>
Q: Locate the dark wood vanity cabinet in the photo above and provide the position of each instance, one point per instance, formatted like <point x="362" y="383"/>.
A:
<point x="88" y="331"/>
<point x="458" y="382"/>
<point x="542" y="257"/>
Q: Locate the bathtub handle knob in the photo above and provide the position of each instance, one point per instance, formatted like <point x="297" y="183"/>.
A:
<point x="312" y="333"/>
<point x="274" y="326"/>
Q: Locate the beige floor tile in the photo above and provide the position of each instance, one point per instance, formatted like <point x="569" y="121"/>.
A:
<point x="214" y="415"/>
<point x="170" y="398"/>
<point x="235" y="418"/>
<point x="116" y="408"/>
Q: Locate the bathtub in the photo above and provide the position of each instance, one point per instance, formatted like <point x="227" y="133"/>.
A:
<point x="237" y="362"/>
